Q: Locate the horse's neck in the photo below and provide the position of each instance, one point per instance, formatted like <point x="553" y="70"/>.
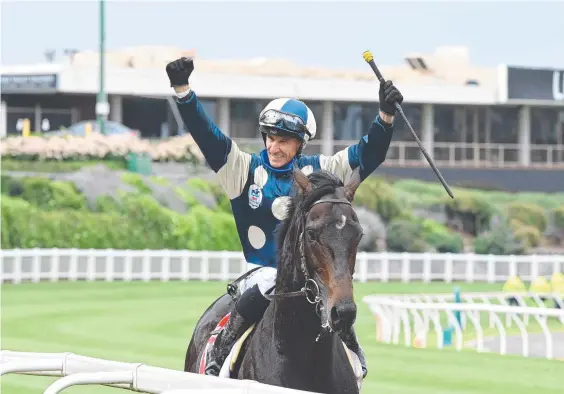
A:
<point x="296" y="324"/>
<point x="296" y="330"/>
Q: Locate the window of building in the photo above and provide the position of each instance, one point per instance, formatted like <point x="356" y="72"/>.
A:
<point x="243" y="122"/>
<point x="352" y="120"/>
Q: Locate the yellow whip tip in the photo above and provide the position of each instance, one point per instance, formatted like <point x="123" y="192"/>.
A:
<point x="367" y="55"/>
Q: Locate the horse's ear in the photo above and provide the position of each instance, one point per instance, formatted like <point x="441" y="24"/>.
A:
<point x="302" y="181"/>
<point x="353" y="184"/>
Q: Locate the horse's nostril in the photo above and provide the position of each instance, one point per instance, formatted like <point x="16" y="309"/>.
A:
<point x="344" y="313"/>
<point x="334" y="315"/>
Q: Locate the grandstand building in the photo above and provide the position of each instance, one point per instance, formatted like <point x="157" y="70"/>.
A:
<point x="468" y="117"/>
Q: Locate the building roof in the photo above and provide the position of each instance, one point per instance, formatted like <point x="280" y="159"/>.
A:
<point x="446" y="65"/>
<point x="445" y="76"/>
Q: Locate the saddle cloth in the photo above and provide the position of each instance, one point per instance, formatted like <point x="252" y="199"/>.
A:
<point x="227" y="367"/>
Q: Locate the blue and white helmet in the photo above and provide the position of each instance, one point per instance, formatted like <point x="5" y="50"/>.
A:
<point x="288" y="116"/>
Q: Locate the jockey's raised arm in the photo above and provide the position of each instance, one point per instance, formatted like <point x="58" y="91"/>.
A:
<point x="221" y="152"/>
<point x="368" y="153"/>
<point x="371" y="150"/>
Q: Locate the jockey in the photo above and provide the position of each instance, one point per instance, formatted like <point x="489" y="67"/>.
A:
<point x="259" y="185"/>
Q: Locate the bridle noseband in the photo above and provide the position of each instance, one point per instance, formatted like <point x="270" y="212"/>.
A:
<point x="310" y="289"/>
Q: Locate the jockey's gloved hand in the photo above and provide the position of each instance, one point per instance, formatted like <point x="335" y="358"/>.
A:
<point x="179" y="71"/>
<point x="389" y="95"/>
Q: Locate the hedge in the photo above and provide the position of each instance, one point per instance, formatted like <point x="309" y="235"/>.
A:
<point x="30" y="227"/>
<point x="141" y="223"/>
<point x="45" y="193"/>
<point x="59" y="215"/>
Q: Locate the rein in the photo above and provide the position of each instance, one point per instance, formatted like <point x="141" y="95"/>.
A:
<point x="310" y="289"/>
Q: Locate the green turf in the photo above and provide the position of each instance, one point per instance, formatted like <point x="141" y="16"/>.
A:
<point x="152" y="323"/>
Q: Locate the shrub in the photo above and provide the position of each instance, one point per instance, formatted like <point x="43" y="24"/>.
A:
<point x="205" y="229"/>
<point x="136" y="181"/>
<point x="443" y="239"/>
<point x="499" y="240"/>
<point x="472" y="211"/>
<point x="558" y="214"/>
<point x="529" y="214"/>
<point x="49" y="195"/>
<point x="405" y="236"/>
<point x="378" y="196"/>
<point x="214" y="189"/>
<point x="529" y="236"/>
<point x="107" y="204"/>
<point x="150" y="221"/>
<point x="419" y="188"/>
<point x="11" y="186"/>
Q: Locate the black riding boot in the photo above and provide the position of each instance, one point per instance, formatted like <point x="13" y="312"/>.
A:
<point x="236" y="326"/>
<point x="351" y="341"/>
<point x="248" y="310"/>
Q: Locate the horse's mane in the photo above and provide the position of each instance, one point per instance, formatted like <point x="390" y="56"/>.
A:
<point x="289" y="230"/>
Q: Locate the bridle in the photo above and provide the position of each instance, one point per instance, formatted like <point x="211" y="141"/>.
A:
<point x="310" y="289"/>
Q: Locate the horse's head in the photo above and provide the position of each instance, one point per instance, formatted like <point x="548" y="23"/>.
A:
<point x="328" y="233"/>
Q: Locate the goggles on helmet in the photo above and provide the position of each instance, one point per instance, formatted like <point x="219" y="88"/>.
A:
<point x="284" y="121"/>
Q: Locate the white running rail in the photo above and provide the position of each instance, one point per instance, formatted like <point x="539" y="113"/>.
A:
<point x="80" y="370"/>
<point x="416" y="316"/>
<point x="19" y="265"/>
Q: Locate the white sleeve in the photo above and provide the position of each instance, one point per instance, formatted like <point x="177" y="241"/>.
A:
<point x="234" y="173"/>
<point x="337" y="164"/>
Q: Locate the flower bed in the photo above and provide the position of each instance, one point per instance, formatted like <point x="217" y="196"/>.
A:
<point x="99" y="147"/>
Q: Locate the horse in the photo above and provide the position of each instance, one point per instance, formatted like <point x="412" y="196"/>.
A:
<point x="297" y="343"/>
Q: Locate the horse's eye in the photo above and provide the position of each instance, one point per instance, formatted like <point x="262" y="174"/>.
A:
<point x="311" y="234"/>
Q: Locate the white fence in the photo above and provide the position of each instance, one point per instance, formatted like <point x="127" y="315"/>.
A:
<point x="124" y="265"/>
<point x="416" y="316"/>
<point x="79" y="370"/>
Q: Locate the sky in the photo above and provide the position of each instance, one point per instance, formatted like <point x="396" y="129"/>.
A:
<point x="329" y="34"/>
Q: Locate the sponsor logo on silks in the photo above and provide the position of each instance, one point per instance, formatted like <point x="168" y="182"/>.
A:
<point x="255" y="196"/>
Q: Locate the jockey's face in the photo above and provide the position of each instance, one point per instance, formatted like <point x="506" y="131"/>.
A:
<point x="281" y="149"/>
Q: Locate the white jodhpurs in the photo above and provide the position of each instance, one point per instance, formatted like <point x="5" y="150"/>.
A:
<point x="264" y="277"/>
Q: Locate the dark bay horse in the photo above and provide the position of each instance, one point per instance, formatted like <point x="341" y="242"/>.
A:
<point x="297" y="342"/>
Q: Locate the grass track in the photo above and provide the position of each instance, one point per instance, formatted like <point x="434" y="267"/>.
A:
<point x="152" y="323"/>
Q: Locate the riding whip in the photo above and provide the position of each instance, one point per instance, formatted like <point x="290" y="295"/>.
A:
<point x="367" y="55"/>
